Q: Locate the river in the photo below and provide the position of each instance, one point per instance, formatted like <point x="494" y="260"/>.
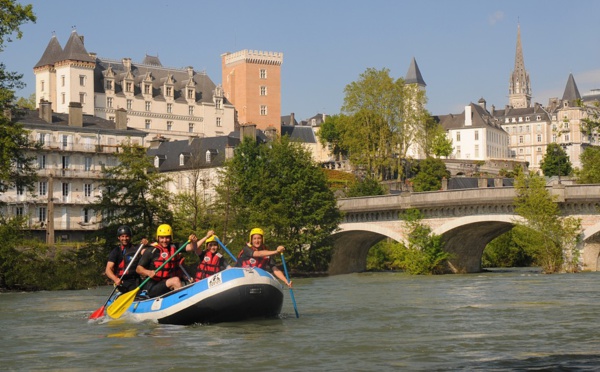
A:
<point x="494" y="321"/>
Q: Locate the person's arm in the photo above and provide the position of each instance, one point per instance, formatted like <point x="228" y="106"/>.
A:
<point x="279" y="274"/>
<point x="266" y="253"/>
<point x="110" y="266"/>
<point x="145" y="261"/>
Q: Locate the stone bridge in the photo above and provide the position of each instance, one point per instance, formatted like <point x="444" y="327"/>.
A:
<point x="466" y="219"/>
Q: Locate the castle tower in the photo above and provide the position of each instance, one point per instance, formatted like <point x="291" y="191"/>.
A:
<point x="75" y="76"/>
<point x="519" y="91"/>
<point x="252" y="83"/>
<point x="45" y="73"/>
<point x="413" y="75"/>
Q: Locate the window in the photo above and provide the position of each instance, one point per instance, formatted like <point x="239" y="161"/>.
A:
<point x="263" y="110"/>
<point x="218" y="122"/>
<point x="181" y="159"/>
<point x="87" y="215"/>
<point x="190" y="94"/>
<point x="19" y="211"/>
<point x="42" y="214"/>
<point x="538" y="118"/>
<point x="43" y="188"/>
<point x="156" y="162"/>
<point x="146" y="88"/>
<point x="567" y="125"/>
<point x="527" y="128"/>
<point x="527" y="118"/>
<point x="66" y="187"/>
<point x="538" y="127"/>
<point x="218" y="103"/>
<point x="109" y="102"/>
<point x="82" y="80"/>
<point x="191" y="127"/>
<point x="169" y="125"/>
<point x="169" y="108"/>
<point x="111" y="118"/>
<point x="62" y="80"/>
<point x="129" y="87"/>
<point x="42" y="162"/>
<point x="539" y="149"/>
<point x="567" y="137"/>
<point x="520" y="139"/>
<point x="63" y="98"/>
<point x="148" y="106"/>
<point x="191" y="110"/>
<point x="20" y="190"/>
<point x="147" y="124"/>
<point x="87" y="163"/>
<point x="539" y="138"/>
<point x="476" y="135"/>
<point x="109" y="84"/>
<point x="208" y="157"/>
<point x="263" y="73"/>
<point x="263" y="90"/>
<point x="87" y="190"/>
<point x="476" y="151"/>
<point x="42" y="85"/>
<point x="457" y="136"/>
<point x="129" y="104"/>
<point x="82" y="98"/>
<point x="65" y="141"/>
<point x="65" y="162"/>
<point x="169" y="91"/>
<point x="458" y="151"/>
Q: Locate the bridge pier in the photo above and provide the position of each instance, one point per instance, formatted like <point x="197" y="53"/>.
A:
<point x="350" y="251"/>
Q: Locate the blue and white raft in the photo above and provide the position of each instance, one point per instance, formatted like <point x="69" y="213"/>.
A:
<point x="230" y="295"/>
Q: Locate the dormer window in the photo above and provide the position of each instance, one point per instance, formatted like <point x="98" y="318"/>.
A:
<point x="146" y="88"/>
<point x="129" y="87"/>
<point x="190" y="94"/>
<point x="156" y="162"/>
<point x="109" y="85"/>
<point x="208" y="156"/>
<point x="169" y="91"/>
<point x="181" y="160"/>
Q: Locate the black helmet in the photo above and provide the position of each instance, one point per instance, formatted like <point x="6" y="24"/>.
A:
<point x="124" y="230"/>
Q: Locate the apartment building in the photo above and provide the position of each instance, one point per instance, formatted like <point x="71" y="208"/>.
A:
<point x="74" y="148"/>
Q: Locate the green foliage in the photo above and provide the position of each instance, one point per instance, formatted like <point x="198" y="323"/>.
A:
<point x="329" y="134"/>
<point x="380" y="256"/>
<point x="505" y="252"/>
<point x="27" y="103"/>
<point x="425" y="251"/>
<point x="556" y="161"/>
<point x="430" y="174"/>
<point x="549" y="238"/>
<point x="365" y="187"/>
<point x="590" y="165"/>
<point x="337" y="179"/>
<point x="133" y="195"/>
<point x="277" y="187"/>
<point x="439" y="144"/>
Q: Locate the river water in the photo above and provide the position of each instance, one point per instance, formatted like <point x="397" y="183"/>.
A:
<point x="495" y="321"/>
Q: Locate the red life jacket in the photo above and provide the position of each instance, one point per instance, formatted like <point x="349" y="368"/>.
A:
<point x="171" y="267"/>
<point x="209" y="265"/>
<point x="124" y="261"/>
<point x="260" y="262"/>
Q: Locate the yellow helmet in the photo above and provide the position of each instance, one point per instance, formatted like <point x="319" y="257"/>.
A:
<point x="258" y="231"/>
<point x="164" y="230"/>
<point x="211" y="239"/>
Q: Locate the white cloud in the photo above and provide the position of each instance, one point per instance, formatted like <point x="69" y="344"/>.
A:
<point x="496" y="17"/>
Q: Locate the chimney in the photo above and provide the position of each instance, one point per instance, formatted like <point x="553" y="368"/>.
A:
<point x="75" y="114"/>
<point x="292" y="119"/>
<point x="82" y="39"/>
<point x="468" y="116"/>
<point x="493" y="110"/>
<point x="126" y="63"/>
<point x="482" y="103"/>
<point x="229" y="152"/>
<point x="248" y="130"/>
<point x="46" y="111"/>
<point x="121" y="119"/>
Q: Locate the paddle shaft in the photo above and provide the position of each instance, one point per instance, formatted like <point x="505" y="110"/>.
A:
<point x="225" y="248"/>
<point x="291" y="291"/>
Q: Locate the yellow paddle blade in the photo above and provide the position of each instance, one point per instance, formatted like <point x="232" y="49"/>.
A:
<point x="121" y="304"/>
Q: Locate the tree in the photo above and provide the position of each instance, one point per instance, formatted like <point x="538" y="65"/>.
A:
<point x="425" y="251"/>
<point x="556" y="162"/>
<point x="549" y="238"/>
<point x="429" y="177"/>
<point x="590" y="165"/>
<point x="440" y="144"/>
<point x="365" y="187"/>
<point x="329" y="134"/>
<point x="505" y="252"/>
<point x="16" y="168"/>
<point x="133" y="194"/>
<point x="277" y="187"/>
<point x="26" y="103"/>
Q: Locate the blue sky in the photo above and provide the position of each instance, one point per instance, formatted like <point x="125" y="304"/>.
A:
<point x="465" y="49"/>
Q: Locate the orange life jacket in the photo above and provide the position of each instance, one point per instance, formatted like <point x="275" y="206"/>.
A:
<point x="170" y="269"/>
<point x="260" y="262"/>
<point x="210" y="264"/>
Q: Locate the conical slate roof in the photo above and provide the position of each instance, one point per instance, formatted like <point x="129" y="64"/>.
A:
<point x="413" y="76"/>
<point x="571" y="92"/>
<point x="75" y="51"/>
<point x="52" y="54"/>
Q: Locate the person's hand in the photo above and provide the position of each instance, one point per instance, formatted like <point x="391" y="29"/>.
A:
<point x="193" y="238"/>
<point x="209" y="234"/>
<point x="280" y="249"/>
<point x="289" y="284"/>
<point x="145" y="241"/>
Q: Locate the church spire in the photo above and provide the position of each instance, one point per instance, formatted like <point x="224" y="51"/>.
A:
<point x="519" y="91"/>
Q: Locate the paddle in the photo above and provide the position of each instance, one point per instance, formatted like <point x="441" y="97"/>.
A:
<point x="291" y="291"/>
<point x="225" y="248"/>
<point x="122" y="303"/>
<point x="100" y="312"/>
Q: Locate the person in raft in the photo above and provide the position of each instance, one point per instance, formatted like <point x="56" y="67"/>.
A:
<point x="211" y="261"/>
<point x="168" y="278"/>
<point x="256" y="254"/>
<point x="120" y="258"/>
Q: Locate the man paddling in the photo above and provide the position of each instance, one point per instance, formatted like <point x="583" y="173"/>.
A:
<point x="120" y="258"/>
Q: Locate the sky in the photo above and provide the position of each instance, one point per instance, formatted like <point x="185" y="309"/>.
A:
<point x="465" y="49"/>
